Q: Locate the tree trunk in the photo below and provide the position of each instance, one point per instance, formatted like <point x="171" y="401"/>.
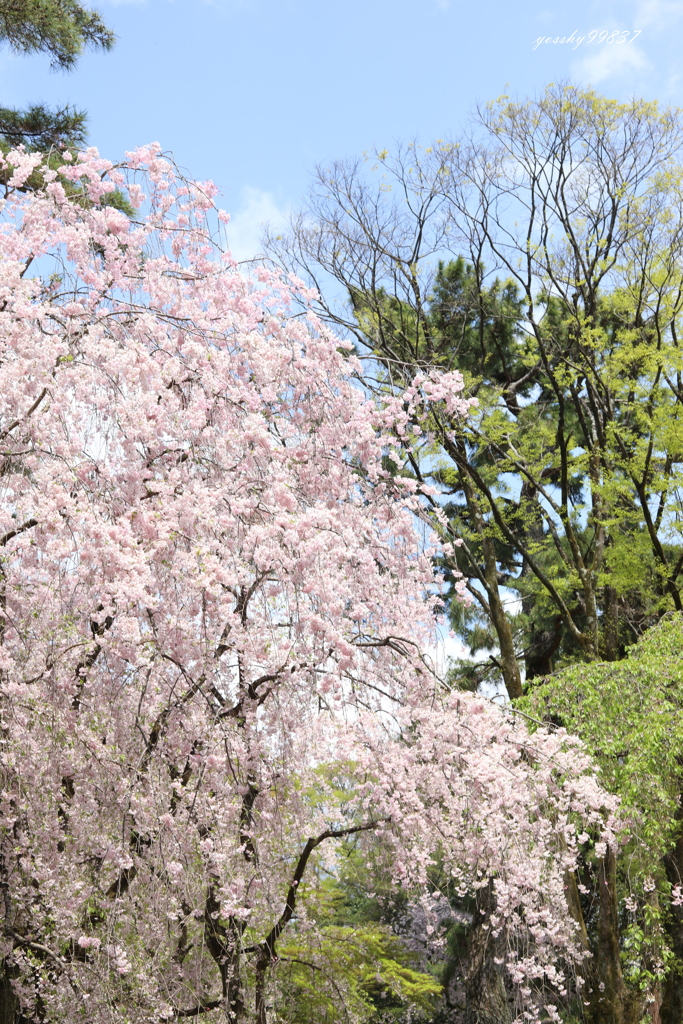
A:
<point x="486" y="1000"/>
<point x="9" y="1004"/>
<point x="232" y="992"/>
<point x="611" y="630"/>
<point x="260" y="1007"/>
<point x="542" y="647"/>
<point x="611" y="1002"/>
<point x="508" y="658"/>
<point x="224" y="943"/>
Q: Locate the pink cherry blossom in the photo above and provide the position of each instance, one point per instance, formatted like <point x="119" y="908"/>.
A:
<point x="213" y="597"/>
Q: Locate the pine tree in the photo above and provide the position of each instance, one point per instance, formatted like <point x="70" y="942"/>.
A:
<point x="63" y="29"/>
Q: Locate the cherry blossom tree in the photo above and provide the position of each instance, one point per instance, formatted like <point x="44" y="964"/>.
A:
<point x="215" y="610"/>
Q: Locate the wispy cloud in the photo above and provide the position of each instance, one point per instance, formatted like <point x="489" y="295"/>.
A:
<point x="655" y="15"/>
<point x="245" y="230"/>
<point x="649" y="64"/>
<point x="609" y="62"/>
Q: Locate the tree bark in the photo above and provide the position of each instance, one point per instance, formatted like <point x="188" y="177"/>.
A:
<point x="486" y="1000"/>
<point x="9" y="1004"/>
<point x="508" y="657"/>
<point x="611" y="1002"/>
<point x="501" y="623"/>
<point x="611" y="631"/>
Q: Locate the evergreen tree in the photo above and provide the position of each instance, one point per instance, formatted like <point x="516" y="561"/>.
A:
<point x="62" y="29"/>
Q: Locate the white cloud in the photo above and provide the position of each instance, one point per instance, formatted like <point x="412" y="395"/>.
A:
<point x="636" y="14"/>
<point x="246" y="227"/>
<point x="609" y="62"/>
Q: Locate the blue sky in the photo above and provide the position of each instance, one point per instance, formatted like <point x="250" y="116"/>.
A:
<point x="253" y="93"/>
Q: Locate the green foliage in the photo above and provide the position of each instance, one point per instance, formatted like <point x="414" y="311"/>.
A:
<point x="630" y="716"/>
<point x="347" y="962"/>
<point x="61" y="28"/>
<point x="560" y="507"/>
<point x="352" y="973"/>
<point x="38" y="128"/>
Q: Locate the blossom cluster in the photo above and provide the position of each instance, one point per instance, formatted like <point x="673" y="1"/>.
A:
<point x="210" y="586"/>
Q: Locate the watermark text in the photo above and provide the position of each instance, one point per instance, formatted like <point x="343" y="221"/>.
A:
<point x="595" y="36"/>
